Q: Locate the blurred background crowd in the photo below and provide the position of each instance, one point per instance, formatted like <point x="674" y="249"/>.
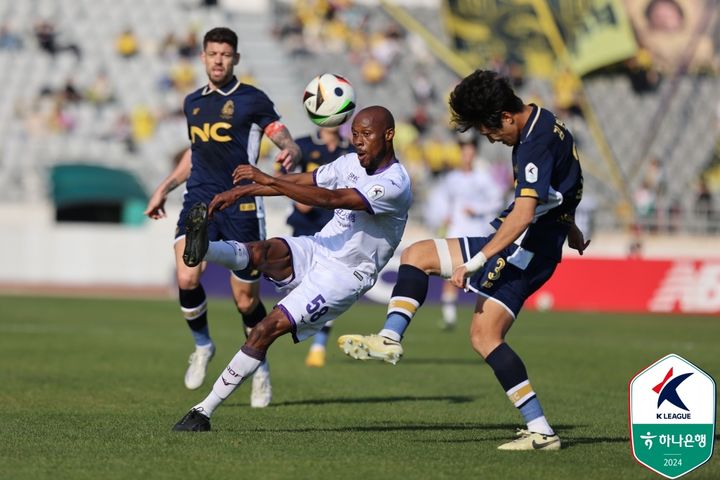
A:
<point x="94" y="90"/>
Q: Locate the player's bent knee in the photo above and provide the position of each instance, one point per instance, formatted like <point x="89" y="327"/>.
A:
<point x="422" y="255"/>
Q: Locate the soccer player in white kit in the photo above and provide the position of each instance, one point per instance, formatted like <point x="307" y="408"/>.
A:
<point x="473" y="199"/>
<point x="321" y="275"/>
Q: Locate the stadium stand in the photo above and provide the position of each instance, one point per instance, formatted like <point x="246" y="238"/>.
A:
<point x="138" y="128"/>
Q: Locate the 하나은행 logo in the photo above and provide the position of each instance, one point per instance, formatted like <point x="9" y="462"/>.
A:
<point x="672" y="416"/>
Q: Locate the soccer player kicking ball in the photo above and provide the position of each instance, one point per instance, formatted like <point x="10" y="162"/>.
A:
<point x="321" y="275"/>
<point x="505" y="268"/>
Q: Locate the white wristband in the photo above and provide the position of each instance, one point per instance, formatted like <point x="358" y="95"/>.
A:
<point x="475" y="263"/>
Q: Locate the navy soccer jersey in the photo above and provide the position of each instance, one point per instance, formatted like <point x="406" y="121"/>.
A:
<point x="546" y="167"/>
<point x="314" y="154"/>
<point x="225" y="127"/>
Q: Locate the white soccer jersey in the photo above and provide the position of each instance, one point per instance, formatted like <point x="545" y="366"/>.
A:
<point x="474" y="199"/>
<point x="365" y="239"/>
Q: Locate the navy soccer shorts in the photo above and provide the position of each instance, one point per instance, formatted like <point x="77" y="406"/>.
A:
<point x="228" y="224"/>
<point x="509" y="277"/>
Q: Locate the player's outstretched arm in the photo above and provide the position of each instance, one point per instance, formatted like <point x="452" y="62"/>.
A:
<point x="290" y="153"/>
<point x="227" y="198"/>
<point x="156" y="204"/>
<point x="303" y="189"/>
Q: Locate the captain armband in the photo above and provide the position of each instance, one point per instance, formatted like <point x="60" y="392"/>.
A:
<point x="273" y="128"/>
<point x="476" y="262"/>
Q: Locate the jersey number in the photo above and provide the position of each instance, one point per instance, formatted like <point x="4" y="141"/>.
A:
<point x="316" y="308"/>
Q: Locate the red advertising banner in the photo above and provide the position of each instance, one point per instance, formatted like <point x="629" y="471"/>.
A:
<point x="632" y="285"/>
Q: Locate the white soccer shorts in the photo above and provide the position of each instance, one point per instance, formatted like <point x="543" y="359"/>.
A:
<point x="320" y="290"/>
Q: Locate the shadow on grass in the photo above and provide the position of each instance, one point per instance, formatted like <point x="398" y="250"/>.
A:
<point x="443" y="361"/>
<point x="409" y="427"/>
<point x="355" y="400"/>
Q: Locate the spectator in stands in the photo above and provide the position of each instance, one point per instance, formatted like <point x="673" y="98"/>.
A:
<point x="566" y="92"/>
<point x="46" y="35"/>
<point x="473" y="199"/>
<point x="644" y="78"/>
<point x="60" y="121"/>
<point x="182" y="76"/>
<point x="9" y="40"/>
<point x="70" y="93"/>
<point x="421" y="119"/>
<point x="100" y="92"/>
<point x="373" y="71"/>
<point x="189" y="46"/>
<point x="645" y="199"/>
<point x="422" y="87"/>
<point x="168" y="47"/>
<point x="126" y="44"/>
<point x="705" y="208"/>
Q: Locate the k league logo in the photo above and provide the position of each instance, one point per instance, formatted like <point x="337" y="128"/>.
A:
<point x="672" y="416"/>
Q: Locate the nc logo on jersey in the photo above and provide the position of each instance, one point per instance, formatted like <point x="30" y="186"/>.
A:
<point x="531" y="173"/>
<point x="375" y="192"/>
<point x="672" y="416"/>
<point x="210" y="131"/>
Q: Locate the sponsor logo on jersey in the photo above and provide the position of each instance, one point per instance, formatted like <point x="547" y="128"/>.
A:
<point x="247" y="207"/>
<point x="210" y="131"/>
<point x="531" y="173"/>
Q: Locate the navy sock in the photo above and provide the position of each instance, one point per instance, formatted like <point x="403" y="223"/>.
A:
<point x="253" y="318"/>
<point x="408" y="295"/>
<point x="193" y="304"/>
<point x="510" y="371"/>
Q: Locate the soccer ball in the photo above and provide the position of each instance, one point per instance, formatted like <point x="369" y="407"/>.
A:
<point x="329" y="100"/>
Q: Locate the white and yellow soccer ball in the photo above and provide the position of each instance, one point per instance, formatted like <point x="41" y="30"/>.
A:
<point x="329" y="100"/>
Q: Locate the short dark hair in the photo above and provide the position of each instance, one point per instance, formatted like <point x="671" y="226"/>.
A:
<point x="479" y="100"/>
<point x="221" y="35"/>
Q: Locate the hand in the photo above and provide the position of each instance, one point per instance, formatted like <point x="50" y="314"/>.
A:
<point x="287" y="159"/>
<point x="248" y="172"/>
<point x="156" y="206"/>
<point x="576" y="240"/>
<point x="459" y="275"/>
<point x="223" y="200"/>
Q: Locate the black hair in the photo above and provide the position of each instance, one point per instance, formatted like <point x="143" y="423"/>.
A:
<point x="221" y="35"/>
<point x="480" y="99"/>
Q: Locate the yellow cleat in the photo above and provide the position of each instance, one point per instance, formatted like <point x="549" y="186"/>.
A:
<point x="532" y="441"/>
<point x="371" y="347"/>
<point x="315" y="357"/>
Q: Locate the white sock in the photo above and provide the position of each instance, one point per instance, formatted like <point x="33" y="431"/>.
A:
<point x="540" y="425"/>
<point x="240" y="368"/>
<point x="449" y="312"/>
<point x="392" y="335"/>
<point x="228" y="253"/>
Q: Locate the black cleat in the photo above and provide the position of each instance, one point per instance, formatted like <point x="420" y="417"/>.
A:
<point x="196" y="235"/>
<point x="193" y="421"/>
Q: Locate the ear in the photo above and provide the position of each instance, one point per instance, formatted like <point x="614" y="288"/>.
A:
<point x="389" y="134"/>
<point x="236" y="60"/>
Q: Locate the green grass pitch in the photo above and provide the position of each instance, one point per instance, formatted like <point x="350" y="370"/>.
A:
<point x="90" y="388"/>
